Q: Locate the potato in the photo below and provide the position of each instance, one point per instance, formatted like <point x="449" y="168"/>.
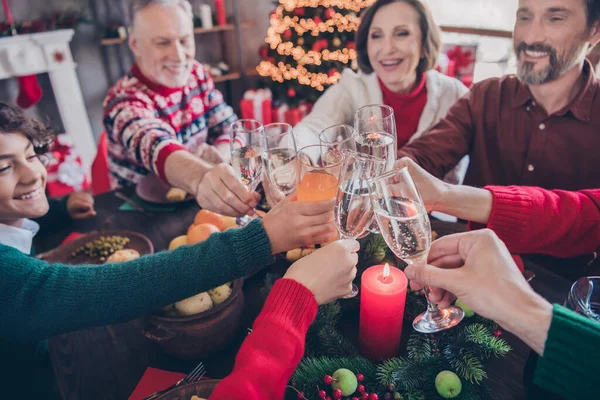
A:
<point x="194" y="305"/>
<point x="197" y="398"/>
<point x="175" y="194"/>
<point x="293" y="255"/>
<point x="123" y="256"/>
<point x="220" y="294"/>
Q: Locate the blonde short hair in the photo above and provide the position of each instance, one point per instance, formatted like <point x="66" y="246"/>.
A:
<point x="137" y="5"/>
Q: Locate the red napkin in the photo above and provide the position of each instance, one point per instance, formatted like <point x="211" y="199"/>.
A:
<point x="71" y="237"/>
<point x="153" y="381"/>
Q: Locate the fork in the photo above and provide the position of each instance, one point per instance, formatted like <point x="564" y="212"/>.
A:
<point x="194" y="376"/>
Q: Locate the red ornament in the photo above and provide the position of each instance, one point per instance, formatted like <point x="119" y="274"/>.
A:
<point x="58" y="56"/>
<point x="329" y="13"/>
<point x="355" y="398"/>
<point x="273" y="15"/>
<point x="317" y="20"/>
<point x="300" y="11"/>
<point x="497" y="333"/>
<point x="300" y="395"/>
<point x="264" y="52"/>
<point x="331" y="73"/>
<point x="361" y="388"/>
<point x="328" y="380"/>
<point x="337" y="394"/>
<point x="364" y="396"/>
<point x="359" y="377"/>
<point x="292" y="93"/>
<point x="351" y="46"/>
<point x="322" y="394"/>
<point x="287" y="35"/>
<point x="373" y="396"/>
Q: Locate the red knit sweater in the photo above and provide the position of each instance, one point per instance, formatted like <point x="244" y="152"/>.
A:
<point x="531" y="220"/>
<point x="271" y="353"/>
<point x="407" y="109"/>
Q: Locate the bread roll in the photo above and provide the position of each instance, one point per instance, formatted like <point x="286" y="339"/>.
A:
<point x="123" y="255"/>
<point x="176" y="194"/>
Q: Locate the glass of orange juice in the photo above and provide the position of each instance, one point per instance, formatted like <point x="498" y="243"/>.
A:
<point x="319" y="168"/>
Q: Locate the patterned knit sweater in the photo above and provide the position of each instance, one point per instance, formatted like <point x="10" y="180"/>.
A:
<point x="146" y="122"/>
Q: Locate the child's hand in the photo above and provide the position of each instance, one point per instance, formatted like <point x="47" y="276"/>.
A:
<point x="80" y="205"/>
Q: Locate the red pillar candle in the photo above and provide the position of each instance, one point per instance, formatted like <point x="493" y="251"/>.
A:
<point x="220" y="11"/>
<point x="382" y="300"/>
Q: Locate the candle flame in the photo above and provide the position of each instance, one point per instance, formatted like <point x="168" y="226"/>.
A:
<point x="386" y="271"/>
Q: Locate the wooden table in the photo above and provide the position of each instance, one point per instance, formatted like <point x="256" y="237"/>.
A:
<point x="107" y="362"/>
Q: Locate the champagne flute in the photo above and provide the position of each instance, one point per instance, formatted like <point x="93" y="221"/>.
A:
<point x="246" y="137"/>
<point x="405" y="226"/>
<point x="375" y="128"/>
<point x="340" y="137"/>
<point x="354" y="210"/>
<point x="319" y="169"/>
<point x="279" y="157"/>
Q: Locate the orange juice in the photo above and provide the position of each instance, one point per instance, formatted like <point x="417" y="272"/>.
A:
<point x="317" y="186"/>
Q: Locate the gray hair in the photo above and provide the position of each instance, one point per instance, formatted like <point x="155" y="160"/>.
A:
<point x="137" y="5"/>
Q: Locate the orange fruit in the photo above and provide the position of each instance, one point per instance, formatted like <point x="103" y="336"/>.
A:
<point x="201" y="232"/>
<point x="229" y="223"/>
<point x="178" y="241"/>
<point x="209" y="217"/>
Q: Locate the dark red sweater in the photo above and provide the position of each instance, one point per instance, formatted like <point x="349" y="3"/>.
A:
<point x="407" y="109"/>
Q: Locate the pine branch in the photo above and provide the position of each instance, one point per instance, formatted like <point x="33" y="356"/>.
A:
<point x="334" y="344"/>
<point x="401" y="373"/>
<point x="489" y="345"/>
<point x="419" y="347"/>
<point x="469" y="367"/>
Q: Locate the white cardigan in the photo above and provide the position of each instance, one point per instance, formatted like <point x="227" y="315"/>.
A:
<point x="354" y="90"/>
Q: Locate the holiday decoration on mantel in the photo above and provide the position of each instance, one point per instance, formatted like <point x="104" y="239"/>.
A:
<point x="309" y="43"/>
<point x="57" y="20"/>
<point x="445" y="365"/>
<point x="65" y="169"/>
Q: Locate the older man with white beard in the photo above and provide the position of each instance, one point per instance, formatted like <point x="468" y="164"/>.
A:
<point x="539" y="128"/>
<point x="166" y="117"/>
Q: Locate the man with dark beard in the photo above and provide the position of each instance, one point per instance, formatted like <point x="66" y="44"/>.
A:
<point x="539" y="128"/>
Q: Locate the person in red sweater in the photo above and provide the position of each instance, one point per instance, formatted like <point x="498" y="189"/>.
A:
<point x="529" y="220"/>
<point x="167" y="118"/>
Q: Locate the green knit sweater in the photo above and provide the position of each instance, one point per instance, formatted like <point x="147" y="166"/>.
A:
<point x="39" y="300"/>
<point x="571" y="358"/>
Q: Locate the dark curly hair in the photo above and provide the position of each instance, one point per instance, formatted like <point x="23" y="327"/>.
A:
<point x="14" y="120"/>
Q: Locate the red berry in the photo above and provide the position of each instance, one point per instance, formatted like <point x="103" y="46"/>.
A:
<point x="361" y="388"/>
<point x="355" y="398"/>
<point x="364" y="396"/>
<point x="292" y="93"/>
<point x="328" y="380"/>
<point x="328" y="398"/>
<point x="329" y="13"/>
<point x="373" y="396"/>
<point x="337" y="394"/>
<point x="300" y="11"/>
<point x="287" y="34"/>
<point x="497" y="333"/>
<point x="322" y="394"/>
<point x="317" y="20"/>
<point x="360" y="377"/>
<point x="300" y="395"/>
<point x="388" y="396"/>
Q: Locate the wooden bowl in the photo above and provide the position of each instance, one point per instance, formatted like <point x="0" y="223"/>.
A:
<point x="153" y="190"/>
<point x="201" y="389"/>
<point x="199" y="335"/>
<point x="63" y="254"/>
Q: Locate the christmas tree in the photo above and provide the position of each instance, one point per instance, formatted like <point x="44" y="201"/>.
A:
<point x="309" y="43"/>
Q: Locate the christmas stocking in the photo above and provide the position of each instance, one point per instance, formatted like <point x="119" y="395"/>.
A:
<point x="30" y="91"/>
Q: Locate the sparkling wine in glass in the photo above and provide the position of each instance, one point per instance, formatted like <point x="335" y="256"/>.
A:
<point x="375" y="129"/>
<point x="354" y="210"/>
<point x="279" y="157"/>
<point x="340" y="137"/>
<point x="404" y="224"/>
<point x="246" y="154"/>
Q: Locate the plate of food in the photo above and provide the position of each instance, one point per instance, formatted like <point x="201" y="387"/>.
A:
<point x="101" y="247"/>
<point x="192" y="391"/>
<point x="154" y="190"/>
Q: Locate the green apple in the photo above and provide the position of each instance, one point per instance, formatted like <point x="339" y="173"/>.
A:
<point x="448" y="384"/>
<point x="345" y="380"/>
<point x="468" y="312"/>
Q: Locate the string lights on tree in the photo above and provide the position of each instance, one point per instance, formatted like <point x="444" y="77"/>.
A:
<point x="308" y="44"/>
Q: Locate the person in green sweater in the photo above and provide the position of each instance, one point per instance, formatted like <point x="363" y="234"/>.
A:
<point x="39" y="300"/>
